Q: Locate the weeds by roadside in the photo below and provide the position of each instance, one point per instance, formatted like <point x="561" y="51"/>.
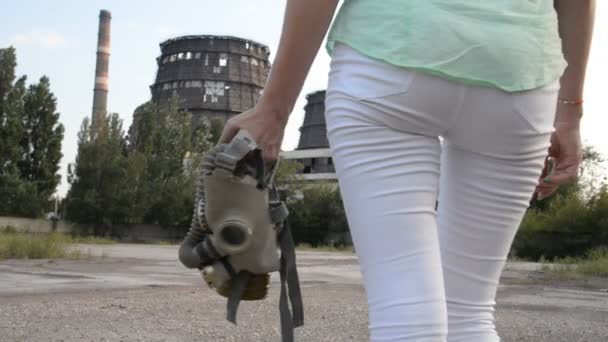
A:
<point x="15" y="245"/>
<point x="594" y="264"/>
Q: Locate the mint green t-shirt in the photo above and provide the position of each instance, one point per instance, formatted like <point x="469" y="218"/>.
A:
<point x="513" y="45"/>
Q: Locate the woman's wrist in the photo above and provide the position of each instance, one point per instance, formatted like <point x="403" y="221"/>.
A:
<point x="570" y="97"/>
<point x="569" y="114"/>
<point x="274" y="108"/>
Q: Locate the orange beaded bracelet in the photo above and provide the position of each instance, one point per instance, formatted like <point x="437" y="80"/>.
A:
<point x="570" y="102"/>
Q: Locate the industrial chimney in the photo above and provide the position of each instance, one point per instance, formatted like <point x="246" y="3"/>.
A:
<point x="100" y="93"/>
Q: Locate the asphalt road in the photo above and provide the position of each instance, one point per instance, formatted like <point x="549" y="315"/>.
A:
<point x="142" y="293"/>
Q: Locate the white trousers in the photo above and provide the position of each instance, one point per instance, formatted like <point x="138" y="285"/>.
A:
<point x="432" y="275"/>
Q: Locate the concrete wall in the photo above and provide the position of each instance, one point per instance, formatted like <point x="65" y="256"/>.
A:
<point x="34" y="225"/>
<point x="140" y="233"/>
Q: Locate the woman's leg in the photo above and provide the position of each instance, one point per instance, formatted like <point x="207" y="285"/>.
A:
<point x="388" y="180"/>
<point x="491" y="161"/>
<point x="386" y="153"/>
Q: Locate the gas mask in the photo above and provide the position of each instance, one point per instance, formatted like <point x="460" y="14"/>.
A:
<point x="238" y="227"/>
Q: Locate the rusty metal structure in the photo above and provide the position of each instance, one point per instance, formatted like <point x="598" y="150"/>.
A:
<point x="100" y="92"/>
<point x="212" y="76"/>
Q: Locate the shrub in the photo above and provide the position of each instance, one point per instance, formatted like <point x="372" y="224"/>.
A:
<point x="569" y="227"/>
<point x="317" y="215"/>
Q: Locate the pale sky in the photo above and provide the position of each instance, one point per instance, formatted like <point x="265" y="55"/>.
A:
<point x="59" y="38"/>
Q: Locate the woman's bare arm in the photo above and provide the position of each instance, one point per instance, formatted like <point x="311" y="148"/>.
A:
<point x="304" y="25"/>
<point x="576" y="20"/>
<point x="575" y="28"/>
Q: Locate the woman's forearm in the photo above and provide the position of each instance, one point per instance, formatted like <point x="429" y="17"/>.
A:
<point x="304" y="26"/>
<point x="575" y="28"/>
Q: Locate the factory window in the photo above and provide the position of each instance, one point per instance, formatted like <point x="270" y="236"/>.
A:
<point x="197" y="55"/>
<point x="260" y="50"/>
<point x="166" y="86"/>
<point x="330" y="161"/>
<point x="217" y="70"/>
<point x="173" y="58"/>
<point x="254" y="61"/>
<point x="214" y="88"/>
<point x="180" y="55"/>
<point x="244" y="59"/>
<point x="206" y="59"/>
<point x="188" y="55"/>
<point x="166" y="59"/>
<point x="247" y="46"/>
<point x="197" y="84"/>
<point x="188" y="84"/>
<point x="174" y="85"/>
<point x="223" y="59"/>
<point x="211" y="98"/>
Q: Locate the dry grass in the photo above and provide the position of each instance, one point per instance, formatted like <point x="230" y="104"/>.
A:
<point x="594" y="264"/>
<point x="15" y="245"/>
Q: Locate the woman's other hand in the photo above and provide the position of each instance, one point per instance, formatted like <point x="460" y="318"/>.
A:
<point x="565" y="153"/>
<point x="576" y="20"/>
<point x="264" y="124"/>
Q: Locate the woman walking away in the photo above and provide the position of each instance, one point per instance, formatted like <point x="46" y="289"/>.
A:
<point x="501" y="82"/>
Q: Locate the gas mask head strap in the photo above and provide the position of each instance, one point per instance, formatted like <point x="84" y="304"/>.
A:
<point x="237" y="150"/>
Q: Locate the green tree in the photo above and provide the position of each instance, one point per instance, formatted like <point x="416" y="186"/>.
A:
<point x="145" y="177"/>
<point x="8" y="63"/>
<point x="170" y="188"/>
<point x="11" y="128"/>
<point x="11" y="109"/>
<point x="41" y="143"/>
<point x="30" y="142"/>
<point x="12" y="188"/>
<point x="101" y="191"/>
<point x="216" y="126"/>
<point x="170" y="149"/>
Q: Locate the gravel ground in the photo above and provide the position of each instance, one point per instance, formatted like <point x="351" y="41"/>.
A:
<point x="335" y="309"/>
<point x="333" y="313"/>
